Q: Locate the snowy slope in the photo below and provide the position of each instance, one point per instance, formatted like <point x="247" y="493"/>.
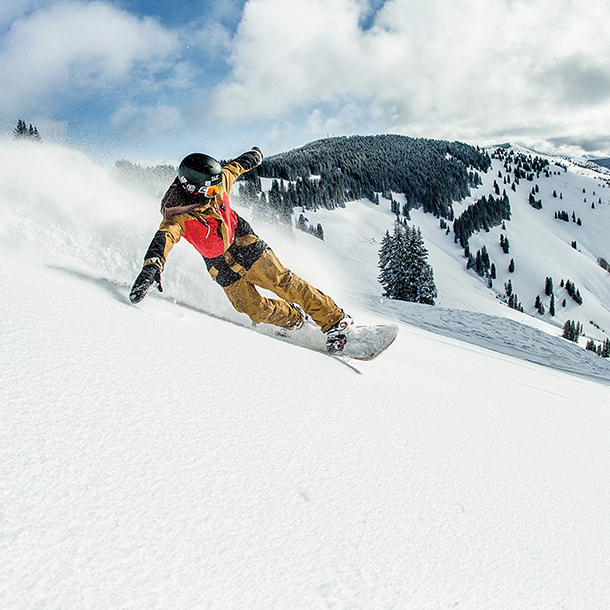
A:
<point x="170" y="456"/>
<point x="541" y="247"/>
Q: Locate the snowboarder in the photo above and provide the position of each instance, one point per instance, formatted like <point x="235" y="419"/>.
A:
<point x="196" y="207"/>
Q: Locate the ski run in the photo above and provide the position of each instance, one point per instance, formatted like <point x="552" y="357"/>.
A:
<point x="168" y="456"/>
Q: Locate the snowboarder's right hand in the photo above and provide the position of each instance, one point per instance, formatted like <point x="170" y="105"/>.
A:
<point x="148" y="275"/>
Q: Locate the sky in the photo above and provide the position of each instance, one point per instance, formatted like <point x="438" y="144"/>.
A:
<point x="152" y="81"/>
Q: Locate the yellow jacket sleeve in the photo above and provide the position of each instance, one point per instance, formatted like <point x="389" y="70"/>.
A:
<point x="244" y="163"/>
<point x="169" y="234"/>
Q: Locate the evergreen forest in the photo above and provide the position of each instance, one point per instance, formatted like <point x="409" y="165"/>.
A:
<point x="431" y="174"/>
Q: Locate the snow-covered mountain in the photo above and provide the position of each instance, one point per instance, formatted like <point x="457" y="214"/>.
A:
<point x="552" y="243"/>
<point x="563" y="240"/>
<point x="167" y="455"/>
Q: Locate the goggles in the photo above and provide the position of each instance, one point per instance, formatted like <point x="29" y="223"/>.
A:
<point x="208" y="191"/>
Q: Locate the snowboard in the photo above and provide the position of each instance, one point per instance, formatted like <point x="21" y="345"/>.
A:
<point x="363" y="342"/>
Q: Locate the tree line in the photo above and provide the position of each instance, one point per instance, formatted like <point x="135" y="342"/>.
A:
<point x="154" y="180"/>
<point x="23" y="131"/>
<point x="431" y="174"/>
<point x="485" y="213"/>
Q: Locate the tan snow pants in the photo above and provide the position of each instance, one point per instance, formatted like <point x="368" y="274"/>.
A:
<point x="268" y="273"/>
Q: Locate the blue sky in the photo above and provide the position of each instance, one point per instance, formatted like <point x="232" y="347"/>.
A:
<point x="152" y="81"/>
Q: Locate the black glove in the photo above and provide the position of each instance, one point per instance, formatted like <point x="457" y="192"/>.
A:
<point x="260" y="152"/>
<point x="148" y="275"/>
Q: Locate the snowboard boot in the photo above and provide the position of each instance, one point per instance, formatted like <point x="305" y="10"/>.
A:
<point x="286" y="332"/>
<point x="336" y="336"/>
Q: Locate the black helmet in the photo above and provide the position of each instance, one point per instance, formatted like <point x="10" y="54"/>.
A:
<point x="198" y="172"/>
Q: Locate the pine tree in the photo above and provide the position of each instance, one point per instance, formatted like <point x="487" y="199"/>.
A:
<point x="394" y="263"/>
<point x="485" y="259"/>
<point x="513" y="302"/>
<point x="23" y="131"/>
<point x="261" y="206"/>
<point x="275" y="198"/>
<point x="426" y="288"/>
<point x="572" y="330"/>
<point x="535" y="203"/>
<point x="384" y="251"/>
<point x="249" y="190"/>
<point x="422" y="274"/>
<point x="573" y="292"/>
<point x="405" y="274"/>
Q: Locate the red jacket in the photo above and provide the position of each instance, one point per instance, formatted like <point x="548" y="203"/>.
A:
<point x="224" y="239"/>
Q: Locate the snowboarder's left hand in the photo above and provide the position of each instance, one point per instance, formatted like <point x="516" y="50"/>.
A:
<point x="146" y="278"/>
<point x="260" y="152"/>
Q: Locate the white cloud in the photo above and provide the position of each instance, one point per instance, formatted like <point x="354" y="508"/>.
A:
<point x="140" y="124"/>
<point x="290" y="52"/>
<point x="346" y="120"/>
<point x="471" y="69"/>
<point x="213" y="38"/>
<point x="12" y="9"/>
<point x="79" y="50"/>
